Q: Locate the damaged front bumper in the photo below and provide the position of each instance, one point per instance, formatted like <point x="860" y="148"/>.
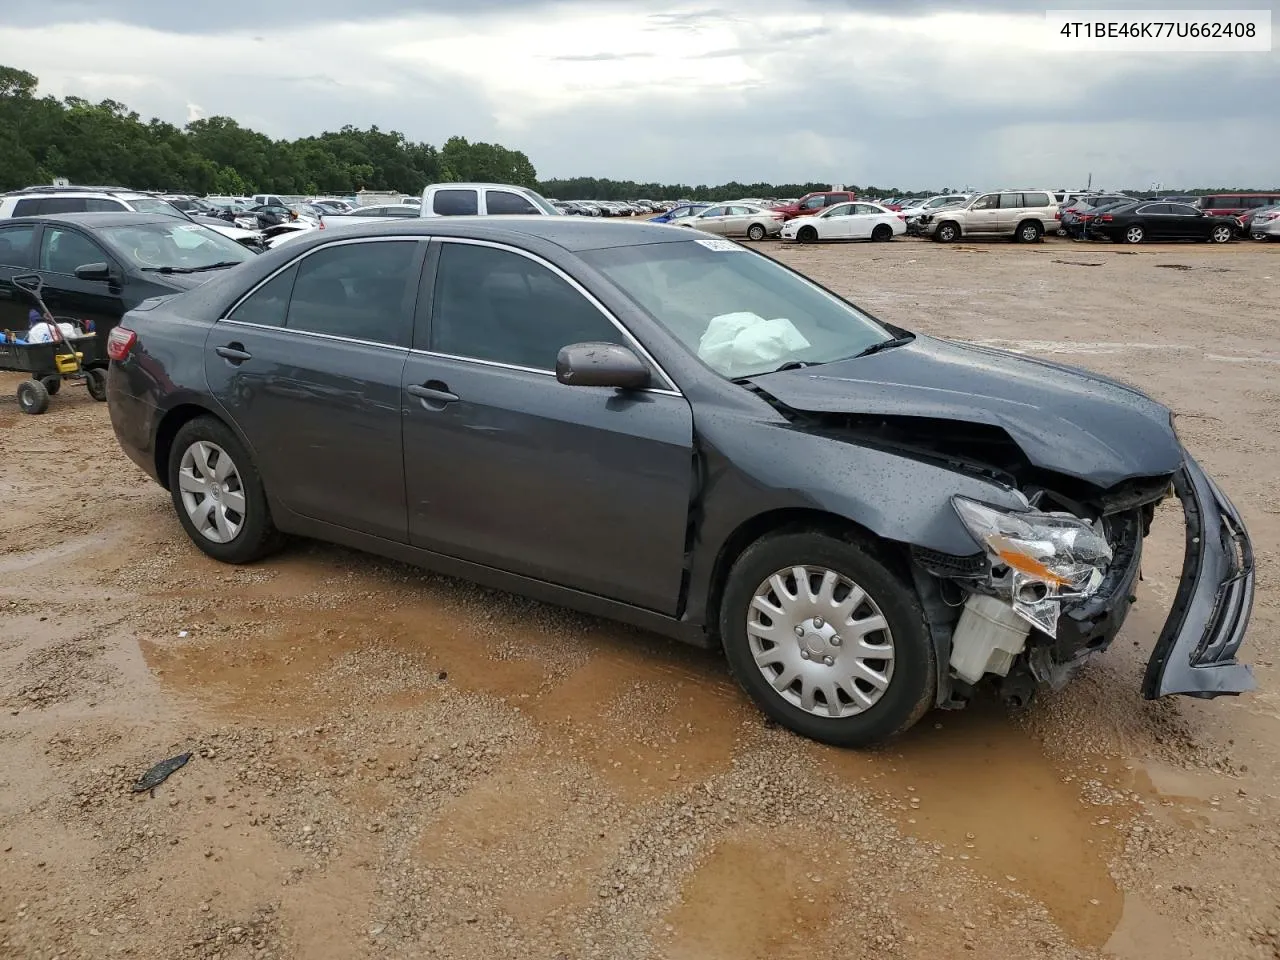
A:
<point x="1195" y="653"/>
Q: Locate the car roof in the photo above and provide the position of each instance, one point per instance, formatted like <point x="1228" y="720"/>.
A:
<point x="571" y="233"/>
<point x="120" y="218"/>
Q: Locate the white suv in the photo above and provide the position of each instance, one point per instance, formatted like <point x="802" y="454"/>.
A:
<point x="483" y="199"/>
<point x="1022" y="215"/>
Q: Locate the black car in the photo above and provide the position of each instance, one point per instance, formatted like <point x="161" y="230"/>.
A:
<point x="674" y="431"/>
<point x="1157" y="220"/>
<point x="95" y="266"/>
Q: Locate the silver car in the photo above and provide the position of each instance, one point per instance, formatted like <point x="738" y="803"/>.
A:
<point x="736" y="220"/>
<point x="1265" y="223"/>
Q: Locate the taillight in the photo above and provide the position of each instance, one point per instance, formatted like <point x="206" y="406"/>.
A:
<point x="119" y="342"/>
<point x="1057" y="216"/>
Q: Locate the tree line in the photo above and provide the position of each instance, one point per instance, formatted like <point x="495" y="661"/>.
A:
<point x="42" y="138"/>
<point x="106" y="143"/>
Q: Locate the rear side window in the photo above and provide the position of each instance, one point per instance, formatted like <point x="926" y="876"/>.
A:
<point x="356" y="290"/>
<point x="1154" y="209"/>
<point x="506" y="203"/>
<point x="15" y="245"/>
<point x="455" y="203"/>
<point x="269" y="304"/>
<point x="1010" y="201"/>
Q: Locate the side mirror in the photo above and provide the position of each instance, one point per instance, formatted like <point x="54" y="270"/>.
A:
<point x="601" y="365"/>
<point x="93" y="271"/>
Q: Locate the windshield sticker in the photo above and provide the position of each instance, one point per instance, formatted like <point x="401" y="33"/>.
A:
<point x="717" y="243"/>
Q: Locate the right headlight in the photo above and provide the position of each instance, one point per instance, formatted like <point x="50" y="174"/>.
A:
<point x="1038" y="559"/>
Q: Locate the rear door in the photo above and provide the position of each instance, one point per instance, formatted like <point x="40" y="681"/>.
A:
<point x="455" y="202"/>
<point x="17" y="256"/>
<point x="585" y="487"/>
<point x="309" y="367"/>
<point x="1011" y="210"/>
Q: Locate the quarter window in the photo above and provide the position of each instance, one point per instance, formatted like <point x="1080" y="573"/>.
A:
<point x="15" y="245"/>
<point x="506" y="203"/>
<point x="455" y="203"/>
<point x="1036" y="200"/>
<point x="269" y="304"/>
<point x="500" y="306"/>
<point x="61" y="251"/>
<point x="355" y="290"/>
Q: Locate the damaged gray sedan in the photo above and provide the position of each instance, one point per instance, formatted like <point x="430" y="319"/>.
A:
<point x="683" y="434"/>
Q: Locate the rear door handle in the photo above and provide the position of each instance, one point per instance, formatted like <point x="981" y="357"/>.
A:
<point x="431" y="395"/>
<point x="233" y="353"/>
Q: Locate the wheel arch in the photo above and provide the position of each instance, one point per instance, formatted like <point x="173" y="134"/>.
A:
<point x="175" y="419"/>
<point x="791" y="520"/>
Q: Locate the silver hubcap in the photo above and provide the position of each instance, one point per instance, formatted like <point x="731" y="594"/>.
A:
<point x="820" y="641"/>
<point x="1222" y="234"/>
<point x="1028" y="233"/>
<point x="1134" y="235"/>
<point x="211" y="491"/>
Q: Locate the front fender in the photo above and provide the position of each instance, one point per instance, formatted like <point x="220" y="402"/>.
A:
<point x="895" y="496"/>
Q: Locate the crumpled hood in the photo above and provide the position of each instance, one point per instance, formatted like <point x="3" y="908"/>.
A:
<point x="1064" y="419"/>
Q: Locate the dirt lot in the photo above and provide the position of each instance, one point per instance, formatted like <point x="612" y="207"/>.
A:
<point x="389" y="763"/>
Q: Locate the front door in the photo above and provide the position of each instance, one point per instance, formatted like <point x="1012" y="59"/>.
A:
<point x="712" y="220"/>
<point x="309" y="367"/>
<point x="585" y="487"/>
<point x="984" y="215"/>
<point x="837" y="222"/>
<point x="62" y="250"/>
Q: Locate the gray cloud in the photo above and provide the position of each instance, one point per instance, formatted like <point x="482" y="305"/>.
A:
<point x="600" y="57"/>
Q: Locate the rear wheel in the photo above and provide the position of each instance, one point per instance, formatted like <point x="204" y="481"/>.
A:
<point x="95" y="382"/>
<point x="33" y="397"/>
<point x="947" y="232"/>
<point x="807" y="235"/>
<point x="52" y="384"/>
<point x="826" y="639"/>
<point x="218" y="494"/>
<point x="1134" y="234"/>
<point x="1029" y="231"/>
<point x="882" y="233"/>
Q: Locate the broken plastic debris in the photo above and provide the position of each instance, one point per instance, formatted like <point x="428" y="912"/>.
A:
<point x="160" y="772"/>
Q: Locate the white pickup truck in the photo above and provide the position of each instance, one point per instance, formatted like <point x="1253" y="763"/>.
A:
<point x="483" y="199"/>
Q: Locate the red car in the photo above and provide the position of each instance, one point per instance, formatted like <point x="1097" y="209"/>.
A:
<point x="1236" y="204"/>
<point x="811" y="203"/>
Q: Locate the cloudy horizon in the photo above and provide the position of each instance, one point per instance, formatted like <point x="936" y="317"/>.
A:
<point x="909" y="93"/>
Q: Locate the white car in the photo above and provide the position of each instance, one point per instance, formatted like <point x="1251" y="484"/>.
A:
<point x="847" y="221"/>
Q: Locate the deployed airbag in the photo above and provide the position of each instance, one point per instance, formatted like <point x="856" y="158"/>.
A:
<point x="736" y="344"/>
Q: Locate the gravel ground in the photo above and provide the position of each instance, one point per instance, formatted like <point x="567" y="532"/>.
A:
<point x="386" y="763"/>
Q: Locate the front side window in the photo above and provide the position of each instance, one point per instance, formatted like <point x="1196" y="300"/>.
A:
<point x="814" y="203"/>
<point x="355" y="290"/>
<point x="715" y="212"/>
<point x="455" y="203"/>
<point x="741" y="313"/>
<point x="506" y="203"/>
<point x="62" y="250"/>
<point x="841" y="210"/>
<point x="102" y="205"/>
<point x="15" y="245"/>
<point x="152" y="205"/>
<point x="1183" y="210"/>
<point x="497" y="305"/>
<point x="989" y="202"/>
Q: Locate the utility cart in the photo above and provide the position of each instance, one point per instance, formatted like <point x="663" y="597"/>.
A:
<point x="62" y="358"/>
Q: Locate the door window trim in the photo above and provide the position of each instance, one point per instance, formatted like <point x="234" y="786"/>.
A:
<point x="670" y="390"/>
<point x="296" y="261"/>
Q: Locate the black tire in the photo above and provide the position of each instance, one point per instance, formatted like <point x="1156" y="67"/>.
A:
<point x="913" y="683"/>
<point x="1029" y="231"/>
<point x="882" y="233"/>
<point x="257" y="535"/>
<point x="947" y="232"/>
<point x="1221" y="234"/>
<point x="52" y="384"/>
<point x="95" y="381"/>
<point x="33" y="397"/>
<point x="756" y="231"/>
<point x="807" y="235"/>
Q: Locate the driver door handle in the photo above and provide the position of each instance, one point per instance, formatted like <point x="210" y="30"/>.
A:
<point x="431" y="394"/>
<point x="233" y="353"/>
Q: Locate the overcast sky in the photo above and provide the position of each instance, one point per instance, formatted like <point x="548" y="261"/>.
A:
<point x="913" y="93"/>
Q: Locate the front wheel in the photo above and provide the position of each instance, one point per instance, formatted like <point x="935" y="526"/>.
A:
<point x="1221" y="234"/>
<point x="33" y="396"/>
<point x="52" y="384"/>
<point x="882" y="233"/>
<point x="946" y="232"/>
<point x="827" y="640"/>
<point x="756" y="231"/>
<point x="217" y="493"/>
<point x="807" y="235"/>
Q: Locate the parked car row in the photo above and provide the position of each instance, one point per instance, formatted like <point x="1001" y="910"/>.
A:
<point x="612" y="208"/>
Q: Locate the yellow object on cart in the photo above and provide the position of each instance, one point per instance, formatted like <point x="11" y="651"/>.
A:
<point x="67" y="363"/>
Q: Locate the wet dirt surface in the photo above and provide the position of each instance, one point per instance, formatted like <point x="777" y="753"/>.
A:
<point x="391" y="763"/>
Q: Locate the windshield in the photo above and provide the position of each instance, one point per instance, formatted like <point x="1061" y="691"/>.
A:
<point x="177" y="246"/>
<point x="739" y="312"/>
